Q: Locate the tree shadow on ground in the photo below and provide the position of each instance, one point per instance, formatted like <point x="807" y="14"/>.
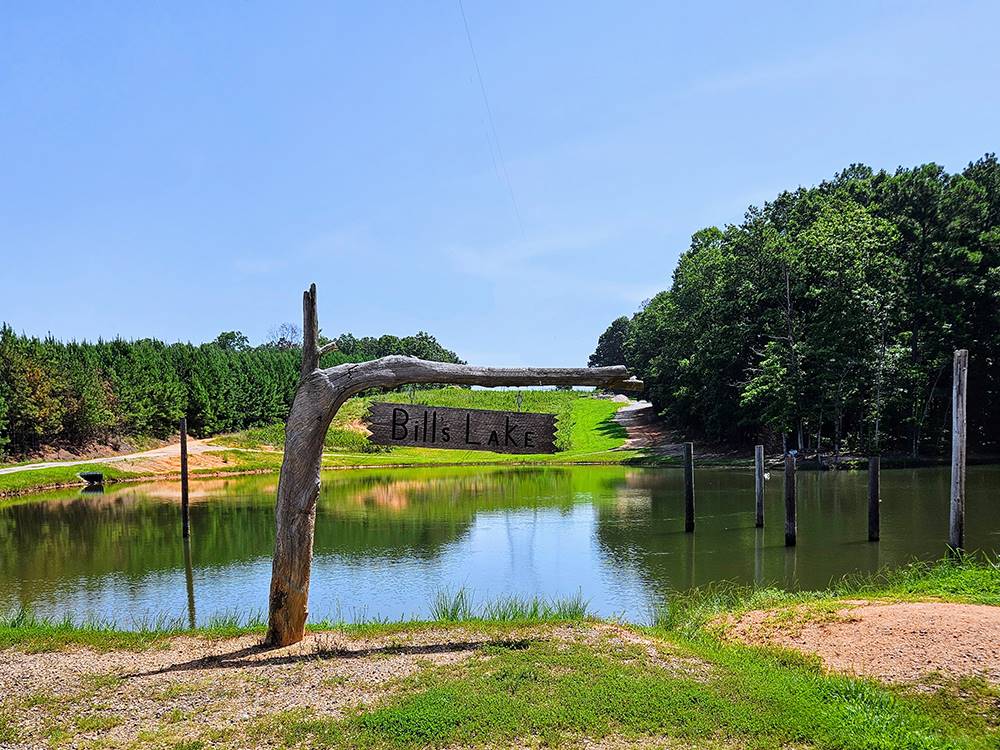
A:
<point x="245" y="657"/>
<point x="608" y="427"/>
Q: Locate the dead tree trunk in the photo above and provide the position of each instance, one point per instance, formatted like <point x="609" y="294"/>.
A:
<point x="320" y="394"/>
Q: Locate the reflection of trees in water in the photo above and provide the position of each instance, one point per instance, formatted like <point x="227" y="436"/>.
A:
<point x="83" y="539"/>
<point x="132" y="531"/>
<point x="416" y="513"/>
<point x="643" y="530"/>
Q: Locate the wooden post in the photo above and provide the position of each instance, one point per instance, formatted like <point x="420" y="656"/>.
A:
<point x="790" y="527"/>
<point x="758" y="465"/>
<point x="874" y="521"/>
<point x="189" y="581"/>
<point x="956" y="526"/>
<point x="688" y="487"/>
<point x="185" y="513"/>
<point x="758" y="557"/>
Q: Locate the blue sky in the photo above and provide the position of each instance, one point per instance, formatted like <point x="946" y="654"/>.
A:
<point x="179" y="169"/>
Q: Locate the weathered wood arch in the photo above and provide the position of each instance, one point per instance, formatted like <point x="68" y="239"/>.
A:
<point x="321" y="392"/>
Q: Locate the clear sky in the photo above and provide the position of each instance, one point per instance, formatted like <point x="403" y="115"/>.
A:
<point x="178" y="169"/>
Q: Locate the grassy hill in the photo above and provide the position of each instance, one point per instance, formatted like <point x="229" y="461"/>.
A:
<point x="586" y="433"/>
<point x="585" y="429"/>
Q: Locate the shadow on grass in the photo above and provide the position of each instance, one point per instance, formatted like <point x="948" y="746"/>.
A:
<point x="608" y="427"/>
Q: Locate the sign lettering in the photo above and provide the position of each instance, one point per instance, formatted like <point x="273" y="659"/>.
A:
<point x="461" y="429"/>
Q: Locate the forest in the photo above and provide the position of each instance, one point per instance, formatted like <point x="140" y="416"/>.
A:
<point x="828" y="318"/>
<point x="70" y="394"/>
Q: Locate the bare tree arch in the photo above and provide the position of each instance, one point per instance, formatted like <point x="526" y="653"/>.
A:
<point x="320" y="394"/>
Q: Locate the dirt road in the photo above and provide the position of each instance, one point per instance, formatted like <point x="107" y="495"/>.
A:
<point x="168" y="452"/>
<point x="645" y="429"/>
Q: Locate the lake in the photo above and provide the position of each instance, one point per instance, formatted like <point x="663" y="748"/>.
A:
<point x="388" y="541"/>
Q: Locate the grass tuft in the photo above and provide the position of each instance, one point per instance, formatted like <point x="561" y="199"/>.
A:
<point x="454" y="607"/>
<point x="448" y="607"/>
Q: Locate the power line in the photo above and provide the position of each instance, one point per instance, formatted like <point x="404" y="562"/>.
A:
<point x="493" y="127"/>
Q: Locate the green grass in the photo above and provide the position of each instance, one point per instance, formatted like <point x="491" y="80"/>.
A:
<point x="8" y="732"/>
<point x="96" y="722"/>
<point x="556" y="692"/>
<point x="26" y="631"/>
<point x="459" y="607"/>
<point x="60" y="476"/>
<point x="269" y="436"/>
<point x="241" y="461"/>
<point x="972" y="579"/>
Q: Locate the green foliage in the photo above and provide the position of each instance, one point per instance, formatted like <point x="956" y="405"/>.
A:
<point x="611" y="345"/>
<point x="553" y="693"/>
<point x="421" y="345"/>
<point x="232" y="341"/>
<point x="72" y="393"/>
<point x="831" y="314"/>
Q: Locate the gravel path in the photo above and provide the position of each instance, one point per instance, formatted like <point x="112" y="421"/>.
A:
<point x="645" y="429"/>
<point x="195" y="447"/>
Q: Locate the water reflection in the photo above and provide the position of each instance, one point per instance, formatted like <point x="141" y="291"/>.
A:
<point x="388" y="541"/>
<point x="189" y="582"/>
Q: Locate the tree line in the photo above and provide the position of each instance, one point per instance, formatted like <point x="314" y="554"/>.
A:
<point x="829" y="316"/>
<point x="73" y="393"/>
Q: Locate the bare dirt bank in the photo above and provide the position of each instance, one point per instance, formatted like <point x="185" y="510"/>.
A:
<point x="894" y="642"/>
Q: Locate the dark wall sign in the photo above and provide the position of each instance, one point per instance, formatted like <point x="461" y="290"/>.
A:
<point x="461" y="429"/>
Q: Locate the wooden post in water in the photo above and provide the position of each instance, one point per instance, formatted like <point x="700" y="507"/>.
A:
<point x="956" y="526"/>
<point x="790" y="527"/>
<point x="189" y="582"/>
<point x="185" y="514"/>
<point x="758" y="465"/>
<point x="874" y="492"/>
<point x="688" y="487"/>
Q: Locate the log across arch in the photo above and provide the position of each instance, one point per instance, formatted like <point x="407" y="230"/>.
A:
<point x="320" y="394"/>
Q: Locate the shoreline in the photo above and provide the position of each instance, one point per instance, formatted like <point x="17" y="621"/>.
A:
<point x="753" y="668"/>
<point x="653" y="461"/>
<point x="194" y="476"/>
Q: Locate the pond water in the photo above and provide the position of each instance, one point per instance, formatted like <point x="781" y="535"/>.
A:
<point x="388" y="541"/>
